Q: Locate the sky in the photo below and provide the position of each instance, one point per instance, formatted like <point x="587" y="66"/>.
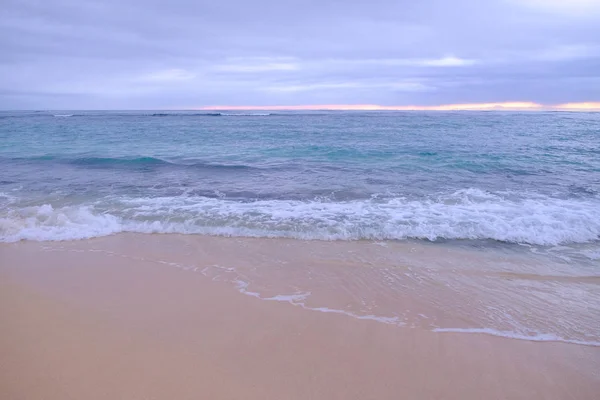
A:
<point x="376" y="54"/>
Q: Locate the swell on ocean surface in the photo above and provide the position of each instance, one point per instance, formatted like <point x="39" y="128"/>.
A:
<point x="162" y="114"/>
<point x="210" y="114"/>
<point x="464" y="214"/>
<point x="125" y="162"/>
<point x="30" y="115"/>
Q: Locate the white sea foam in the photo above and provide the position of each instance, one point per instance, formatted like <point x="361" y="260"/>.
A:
<point x="536" y="337"/>
<point x="43" y="223"/>
<point x="466" y="214"/>
<point x="298" y="300"/>
<point x="63" y="115"/>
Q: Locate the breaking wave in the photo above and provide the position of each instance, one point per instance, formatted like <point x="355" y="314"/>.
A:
<point x="465" y="214"/>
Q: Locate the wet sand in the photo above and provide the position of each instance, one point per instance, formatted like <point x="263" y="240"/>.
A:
<point x="126" y="317"/>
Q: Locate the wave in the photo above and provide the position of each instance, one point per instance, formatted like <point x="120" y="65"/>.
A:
<point x="130" y="162"/>
<point x="140" y="114"/>
<point x="246" y="114"/>
<point x="116" y="161"/>
<point x="176" y="115"/>
<point x="466" y="214"/>
<point x="315" y="113"/>
<point x="215" y="114"/>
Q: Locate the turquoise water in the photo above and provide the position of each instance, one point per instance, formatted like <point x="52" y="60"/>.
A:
<point x="483" y="177"/>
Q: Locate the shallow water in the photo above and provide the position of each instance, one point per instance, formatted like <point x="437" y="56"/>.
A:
<point x="407" y="284"/>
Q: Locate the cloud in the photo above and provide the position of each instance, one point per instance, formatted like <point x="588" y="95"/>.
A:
<point x="168" y="75"/>
<point x="267" y="67"/>
<point x="449" y="61"/>
<point x="503" y="106"/>
<point x="149" y="54"/>
<point x="567" y="53"/>
<point x="256" y="64"/>
<point x="588" y="106"/>
<point x="400" y="86"/>
<point x="579" y="8"/>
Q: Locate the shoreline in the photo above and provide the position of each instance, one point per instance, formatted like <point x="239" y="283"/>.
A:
<point x="119" y="317"/>
<point x="384" y="274"/>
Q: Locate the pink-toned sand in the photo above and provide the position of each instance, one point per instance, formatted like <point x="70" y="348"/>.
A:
<point x="104" y="319"/>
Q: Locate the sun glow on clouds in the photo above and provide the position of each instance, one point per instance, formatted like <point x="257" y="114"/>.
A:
<point x="508" y="106"/>
<point x="587" y="106"/>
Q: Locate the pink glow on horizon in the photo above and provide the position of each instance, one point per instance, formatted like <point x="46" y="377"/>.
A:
<point x="512" y="106"/>
<point x="590" y="106"/>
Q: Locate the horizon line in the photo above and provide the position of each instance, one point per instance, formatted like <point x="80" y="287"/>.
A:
<point x="496" y="106"/>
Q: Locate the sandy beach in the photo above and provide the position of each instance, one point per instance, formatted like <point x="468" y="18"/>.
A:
<point x="95" y="320"/>
<point x="267" y="200"/>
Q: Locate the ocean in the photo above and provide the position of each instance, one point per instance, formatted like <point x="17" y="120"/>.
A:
<point x="507" y="177"/>
<point x="524" y="185"/>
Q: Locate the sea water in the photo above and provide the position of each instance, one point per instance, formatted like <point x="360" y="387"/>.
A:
<point x="521" y="178"/>
<point x="521" y="186"/>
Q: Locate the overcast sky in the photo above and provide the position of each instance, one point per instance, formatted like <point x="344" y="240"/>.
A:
<point x="154" y="54"/>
